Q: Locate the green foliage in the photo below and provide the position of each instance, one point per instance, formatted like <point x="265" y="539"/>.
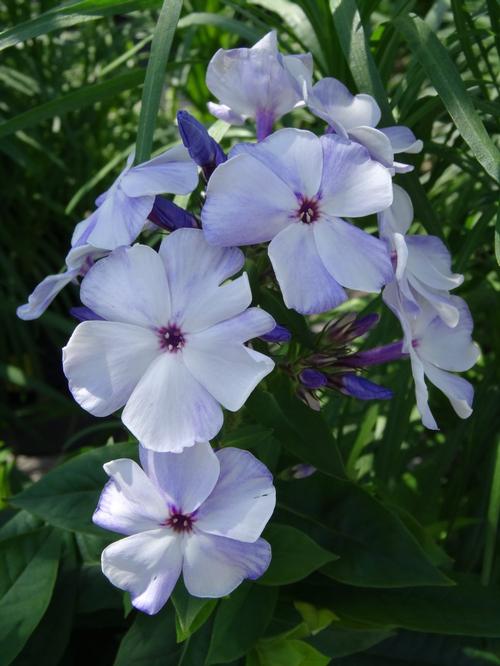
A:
<point x="387" y="555"/>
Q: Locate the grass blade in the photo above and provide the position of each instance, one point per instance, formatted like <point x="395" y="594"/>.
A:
<point x="445" y="78"/>
<point x="155" y="75"/>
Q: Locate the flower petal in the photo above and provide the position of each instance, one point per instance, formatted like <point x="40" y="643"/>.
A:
<point x="449" y="348"/>
<point x="214" y="566"/>
<point x="225" y="113"/>
<point x="130" y="502"/>
<point x="169" y="409"/>
<point x="399" y="216"/>
<point x="147" y="565"/>
<point x="195" y="270"/>
<point x="421" y="392"/>
<point x="352" y="185"/>
<point x="228" y="370"/>
<point x="305" y="283"/>
<point x="332" y="101"/>
<point x="377" y="144"/>
<point x="458" y="390"/>
<point x="173" y="172"/>
<point x="402" y="139"/>
<point x="43" y="295"/>
<point x="430" y="261"/>
<point x="246" y="203"/>
<point x="243" y="499"/>
<point x="104" y="361"/>
<point x="187" y="478"/>
<point x="354" y="258"/>
<point x="118" y="221"/>
<point x="441" y="301"/>
<point x="129" y="285"/>
<point x="294" y="155"/>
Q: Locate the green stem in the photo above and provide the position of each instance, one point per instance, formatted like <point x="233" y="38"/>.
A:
<point x="492" y="520"/>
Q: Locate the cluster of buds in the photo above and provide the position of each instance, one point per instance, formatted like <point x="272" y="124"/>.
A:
<point x="335" y="365"/>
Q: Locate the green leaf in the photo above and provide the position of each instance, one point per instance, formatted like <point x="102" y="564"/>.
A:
<point x="59" y="614"/>
<point x="240" y="621"/>
<point x="68" y="15"/>
<point x="150" y="641"/>
<point x="445" y="78"/>
<point x="294" y="555"/>
<point x="28" y="566"/>
<point x="191" y="612"/>
<point x="466" y="609"/>
<point x="340" y="641"/>
<point x="302" y="431"/>
<point x="219" y="21"/>
<point x="283" y="652"/>
<point x="155" y="76"/>
<point x="95" y="592"/>
<point x="79" y="99"/>
<point x="497" y="238"/>
<point x="374" y="546"/>
<point x="67" y="496"/>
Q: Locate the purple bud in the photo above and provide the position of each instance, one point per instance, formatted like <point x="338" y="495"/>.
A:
<point x="313" y="379"/>
<point x="302" y="471"/>
<point x="170" y="216"/>
<point x="364" y="324"/>
<point x="202" y="148"/>
<point x="363" y="389"/>
<point x="83" y="313"/>
<point x="278" y="334"/>
<point x="375" y="356"/>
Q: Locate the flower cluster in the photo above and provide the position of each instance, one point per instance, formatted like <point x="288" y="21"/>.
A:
<point x="164" y="334"/>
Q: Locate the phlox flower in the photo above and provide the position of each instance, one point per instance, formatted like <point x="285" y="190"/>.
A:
<point x="292" y="189"/>
<point x="78" y="261"/>
<point x="170" y="342"/>
<point x="422" y="263"/>
<point x="258" y="83"/>
<point x="196" y="512"/>
<point x="356" y="117"/>
<point x="123" y="210"/>
<point x="437" y="351"/>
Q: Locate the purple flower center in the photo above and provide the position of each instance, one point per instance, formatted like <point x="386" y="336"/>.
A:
<point x="180" y="522"/>
<point x="171" y="338"/>
<point x="415" y="343"/>
<point x="308" y="211"/>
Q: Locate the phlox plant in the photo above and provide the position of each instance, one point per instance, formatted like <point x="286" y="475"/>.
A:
<point x="266" y="314"/>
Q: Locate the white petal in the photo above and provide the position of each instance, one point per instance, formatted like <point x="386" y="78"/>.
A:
<point x="243" y="500"/>
<point x="118" y="221"/>
<point x="458" y="390"/>
<point x="43" y="295"/>
<point x="377" y="144"/>
<point x="187" y="478"/>
<point x="430" y="261"/>
<point x="401" y="250"/>
<point x="223" y="365"/>
<point x="353" y="185"/>
<point x="402" y="139"/>
<point x="305" y="283"/>
<point x="295" y="156"/>
<point x="249" y="80"/>
<point x="147" y="565"/>
<point x="195" y="270"/>
<point x="223" y="112"/>
<point x="300" y="68"/>
<point x="421" y="393"/>
<point x="173" y="172"/>
<point x="332" y="101"/>
<point x="449" y="348"/>
<point x="129" y="285"/>
<point x="129" y="503"/>
<point x="246" y="203"/>
<point x="214" y="566"/>
<point x="441" y="301"/>
<point x="399" y="216"/>
<point x="104" y="361"/>
<point x="354" y="258"/>
<point x="169" y="409"/>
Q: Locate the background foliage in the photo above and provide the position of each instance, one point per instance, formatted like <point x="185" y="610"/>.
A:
<point x="388" y="555"/>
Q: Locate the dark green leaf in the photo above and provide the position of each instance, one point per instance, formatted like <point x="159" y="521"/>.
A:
<point x="67" y="496"/>
<point x="240" y="621"/>
<point x="294" y="555"/>
<point x="28" y="566"/>
<point x="191" y="612"/>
